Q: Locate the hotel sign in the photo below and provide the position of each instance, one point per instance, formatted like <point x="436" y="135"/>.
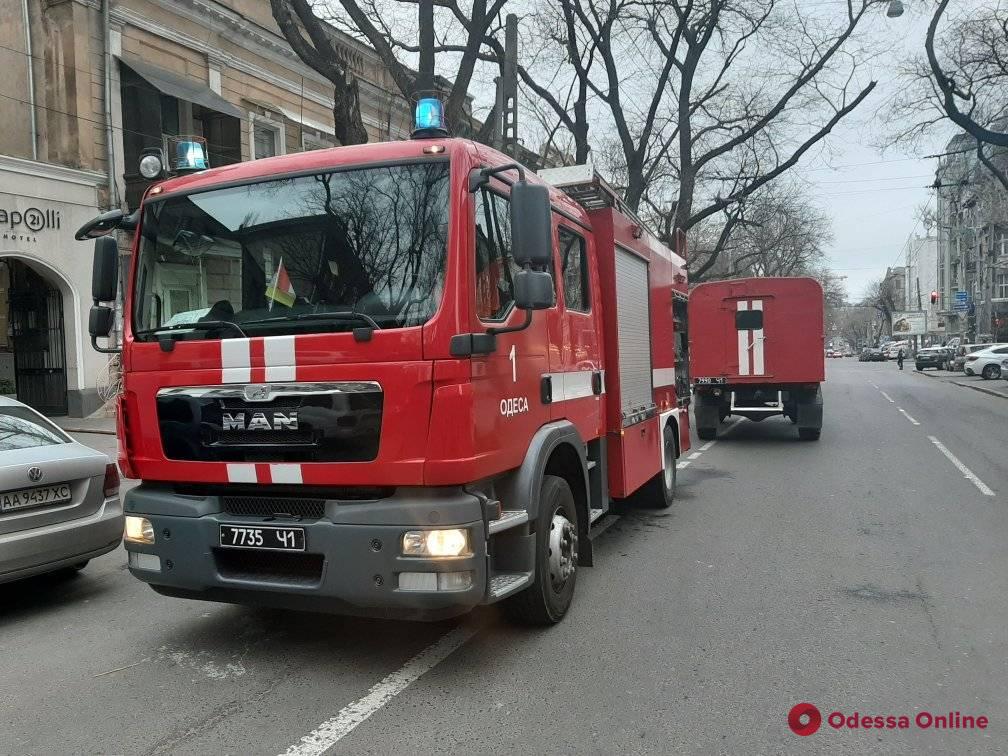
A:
<point x="25" y="224"/>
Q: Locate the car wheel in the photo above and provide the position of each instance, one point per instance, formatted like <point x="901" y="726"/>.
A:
<point x="546" y="601"/>
<point x="991" y="371"/>
<point x="659" y="492"/>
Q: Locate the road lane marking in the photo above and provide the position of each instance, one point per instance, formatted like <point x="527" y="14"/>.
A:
<point x="874" y="385"/>
<point x="694" y="455"/>
<point x="707" y="446"/>
<point x="907" y="416"/>
<point x="681" y="465"/>
<point x="327" y="734"/>
<point x="889" y="398"/>
<point x="967" y="473"/>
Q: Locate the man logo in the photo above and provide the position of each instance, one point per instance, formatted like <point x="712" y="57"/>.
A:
<point x="34" y="474"/>
<point x="258" y="421"/>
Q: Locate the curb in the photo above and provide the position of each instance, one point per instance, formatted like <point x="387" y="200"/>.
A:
<point x="68" y="429"/>
<point x="981" y="389"/>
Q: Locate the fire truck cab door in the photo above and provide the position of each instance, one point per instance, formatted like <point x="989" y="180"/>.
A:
<point x="507" y="403"/>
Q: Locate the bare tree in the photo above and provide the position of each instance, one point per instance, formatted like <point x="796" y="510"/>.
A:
<point x="467" y="34"/>
<point x="316" y="45"/>
<point x="777" y="232"/>
<point x="970" y="85"/>
<point x="881" y="295"/>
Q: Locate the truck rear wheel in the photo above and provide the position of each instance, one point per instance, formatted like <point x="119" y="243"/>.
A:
<point x="659" y="492"/>
<point x="546" y="601"/>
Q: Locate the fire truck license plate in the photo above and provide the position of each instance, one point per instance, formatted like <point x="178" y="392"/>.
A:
<point x="34" y="497"/>
<point x="265" y="538"/>
<point x="710" y="380"/>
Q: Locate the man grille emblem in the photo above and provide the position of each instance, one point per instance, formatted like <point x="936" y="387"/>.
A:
<point x="257" y="393"/>
<point x="34" y="474"/>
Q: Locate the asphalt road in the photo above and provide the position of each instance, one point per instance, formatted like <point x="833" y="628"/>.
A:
<point x="866" y="572"/>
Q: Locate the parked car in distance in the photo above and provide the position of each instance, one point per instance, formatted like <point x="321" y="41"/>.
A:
<point x="931" y="357"/>
<point x="986" y="362"/>
<point x="876" y="355"/>
<point x="959" y="358"/>
<point x="830" y="353"/>
<point x="892" y="348"/>
<point x="59" y="499"/>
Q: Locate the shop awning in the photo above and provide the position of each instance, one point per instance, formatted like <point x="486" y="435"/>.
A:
<point x="181" y="87"/>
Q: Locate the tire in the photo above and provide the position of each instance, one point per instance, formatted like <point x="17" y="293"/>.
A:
<point x="809" y="434"/>
<point x="919" y="368"/>
<point x="81" y="565"/>
<point x="546" y="601"/>
<point x="990" y="372"/>
<point x="706" y="434"/>
<point x="659" y="492"/>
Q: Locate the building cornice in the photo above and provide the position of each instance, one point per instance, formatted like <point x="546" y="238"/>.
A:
<point x="52" y="171"/>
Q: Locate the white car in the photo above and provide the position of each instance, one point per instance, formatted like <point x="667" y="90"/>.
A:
<point x="987" y="362"/>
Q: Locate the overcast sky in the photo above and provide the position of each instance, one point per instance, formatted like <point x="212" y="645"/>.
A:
<point x="872" y="196"/>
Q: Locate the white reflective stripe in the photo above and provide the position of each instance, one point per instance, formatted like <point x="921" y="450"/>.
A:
<point x="241" y="474"/>
<point x="278" y="352"/>
<point x="757" y="343"/>
<point x="663" y="377"/>
<point x="743" y="345"/>
<point x="575" y="384"/>
<point x="235" y="361"/>
<point x="286" y="474"/>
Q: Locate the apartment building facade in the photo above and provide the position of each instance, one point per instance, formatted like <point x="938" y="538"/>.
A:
<point x="972" y="272"/>
<point x="91" y="83"/>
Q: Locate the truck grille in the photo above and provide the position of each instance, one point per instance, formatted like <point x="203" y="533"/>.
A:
<point x="268" y="506"/>
<point x="270" y="566"/>
<point x="255" y="438"/>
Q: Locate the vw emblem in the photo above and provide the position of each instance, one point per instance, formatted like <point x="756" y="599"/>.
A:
<point x="34" y="474"/>
<point x="257" y="393"/>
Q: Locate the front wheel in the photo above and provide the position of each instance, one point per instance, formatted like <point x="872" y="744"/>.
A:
<point x="990" y="372"/>
<point x="546" y="601"/>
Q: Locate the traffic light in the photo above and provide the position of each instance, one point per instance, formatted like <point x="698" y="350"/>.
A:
<point x="934" y="297"/>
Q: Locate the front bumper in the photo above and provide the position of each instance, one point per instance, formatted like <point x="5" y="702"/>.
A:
<point x="351" y="563"/>
<point x="45" y="549"/>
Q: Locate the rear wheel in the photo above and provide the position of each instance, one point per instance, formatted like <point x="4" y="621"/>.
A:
<point x="659" y="492"/>
<point x="809" y="434"/>
<point x="546" y="601"/>
<point x="991" y="371"/>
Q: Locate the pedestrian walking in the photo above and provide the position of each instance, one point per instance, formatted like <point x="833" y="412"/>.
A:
<point x="899" y="359"/>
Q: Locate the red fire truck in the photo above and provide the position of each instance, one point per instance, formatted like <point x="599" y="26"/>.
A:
<point x="397" y="379"/>
<point x="756" y="350"/>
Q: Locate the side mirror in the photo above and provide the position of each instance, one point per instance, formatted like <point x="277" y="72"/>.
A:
<point x="100" y="225"/>
<point x="105" y="270"/>
<point x="531" y="225"/>
<point x="533" y="290"/>
<point x="100" y="321"/>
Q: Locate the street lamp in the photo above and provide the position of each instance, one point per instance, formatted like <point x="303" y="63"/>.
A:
<point x="895" y="9"/>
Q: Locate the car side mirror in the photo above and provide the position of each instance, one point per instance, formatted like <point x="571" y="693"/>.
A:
<point x="100" y="321"/>
<point x="533" y="290"/>
<point x="531" y="225"/>
<point x="105" y="270"/>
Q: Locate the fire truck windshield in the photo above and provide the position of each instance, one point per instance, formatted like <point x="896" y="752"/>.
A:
<point x="274" y="257"/>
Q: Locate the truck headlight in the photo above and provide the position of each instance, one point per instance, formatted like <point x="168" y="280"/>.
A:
<point x="138" y="530"/>
<point x="451" y="542"/>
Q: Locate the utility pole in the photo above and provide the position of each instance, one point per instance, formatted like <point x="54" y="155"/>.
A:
<point x="508" y="93"/>
<point x="425" y="74"/>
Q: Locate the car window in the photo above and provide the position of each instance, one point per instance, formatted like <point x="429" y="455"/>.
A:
<point x="574" y="264"/>
<point x="1002" y="350"/>
<point x="22" y="428"/>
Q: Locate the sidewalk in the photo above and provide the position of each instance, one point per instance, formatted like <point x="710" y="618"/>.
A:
<point x="96" y="423"/>
<point x="997" y="387"/>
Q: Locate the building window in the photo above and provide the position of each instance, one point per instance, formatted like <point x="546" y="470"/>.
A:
<point x="311" y="142"/>
<point x="266" y="138"/>
<point x="574" y="259"/>
<point x="1001" y="286"/>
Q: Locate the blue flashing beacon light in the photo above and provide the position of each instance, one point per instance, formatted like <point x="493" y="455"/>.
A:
<point x="429" y="118"/>
<point x="190" y="156"/>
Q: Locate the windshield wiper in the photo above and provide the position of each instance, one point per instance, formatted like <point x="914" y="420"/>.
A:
<point x="334" y="315"/>
<point x="167" y="341"/>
